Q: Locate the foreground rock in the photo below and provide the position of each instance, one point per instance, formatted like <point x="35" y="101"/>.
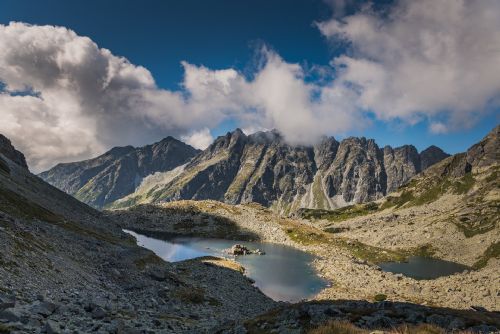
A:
<point x="383" y="316"/>
<point x="65" y="268"/>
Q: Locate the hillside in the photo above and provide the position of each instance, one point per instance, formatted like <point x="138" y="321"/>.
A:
<point x="66" y="268"/>
<point x="118" y="172"/>
<point x="453" y="206"/>
<point x="263" y="168"/>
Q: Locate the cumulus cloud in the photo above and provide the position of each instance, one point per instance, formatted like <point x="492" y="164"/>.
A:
<point x="66" y="99"/>
<point x="63" y="98"/>
<point x="422" y="59"/>
<point x="199" y="139"/>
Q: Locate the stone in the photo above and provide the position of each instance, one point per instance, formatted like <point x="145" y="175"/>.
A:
<point x="7" y="301"/>
<point x="98" y="313"/>
<point x="52" y="327"/>
<point x="239" y="250"/>
<point x="11" y="314"/>
<point x="158" y="274"/>
<point x="43" y="308"/>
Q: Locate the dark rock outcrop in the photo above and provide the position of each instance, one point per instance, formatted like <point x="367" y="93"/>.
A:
<point x="483" y="154"/>
<point x="118" y="172"/>
<point x="11" y="153"/>
<point x="431" y="155"/>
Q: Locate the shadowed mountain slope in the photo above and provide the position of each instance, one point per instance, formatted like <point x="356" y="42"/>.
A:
<point x="118" y="172"/>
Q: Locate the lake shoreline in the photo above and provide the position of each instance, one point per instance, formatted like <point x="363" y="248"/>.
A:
<point x="284" y="274"/>
<point x="352" y="278"/>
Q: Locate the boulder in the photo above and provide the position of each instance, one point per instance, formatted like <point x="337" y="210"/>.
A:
<point x="11" y="314"/>
<point x="52" y="327"/>
<point x="43" y="308"/>
<point x="7" y="301"/>
<point x="98" y="313"/>
<point x="239" y="250"/>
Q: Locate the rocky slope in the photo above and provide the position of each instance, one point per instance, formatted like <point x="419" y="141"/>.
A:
<point x="65" y="268"/>
<point x="262" y="168"/>
<point x="118" y="172"/>
<point x="348" y="262"/>
<point x="8" y="151"/>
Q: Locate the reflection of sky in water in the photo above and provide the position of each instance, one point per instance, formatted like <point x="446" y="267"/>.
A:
<point x="284" y="273"/>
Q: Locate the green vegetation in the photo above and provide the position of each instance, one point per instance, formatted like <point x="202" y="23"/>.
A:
<point x="307" y="235"/>
<point x="345" y="327"/>
<point x="191" y="295"/>
<point x="391" y="201"/>
<point x="144" y="261"/>
<point x="493" y="251"/>
<point x="17" y="205"/>
<point x="338" y="327"/>
<point x="480" y="224"/>
<point x="379" y="297"/>
<point x="493" y="177"/>
<point x="4" y="329"/>
<point x="464" y="184"/>
<point x="341" y="214"/>
<point x="418" y="193"/>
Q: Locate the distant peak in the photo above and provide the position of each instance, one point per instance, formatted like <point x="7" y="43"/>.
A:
<point x="434" y="149"/>
<point x="120" y="150"/>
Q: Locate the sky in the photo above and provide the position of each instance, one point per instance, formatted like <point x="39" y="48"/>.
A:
<point x="79" y="77"/>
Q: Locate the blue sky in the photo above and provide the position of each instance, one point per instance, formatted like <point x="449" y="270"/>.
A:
<point x="221" y="35"/>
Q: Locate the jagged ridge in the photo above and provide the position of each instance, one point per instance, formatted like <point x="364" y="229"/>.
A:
<point x="263" y="168"/>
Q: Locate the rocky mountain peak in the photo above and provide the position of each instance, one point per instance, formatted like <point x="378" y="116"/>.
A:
<point x="119" y="171"/>
<point x="8" y="150"/>
<point x="431" y="155"/>
<point x="486" y="151"/>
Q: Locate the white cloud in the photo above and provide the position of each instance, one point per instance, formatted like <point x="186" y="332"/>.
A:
<point x="422" y="59"/>
<point x="85" y="100"/>
<point x="199" y="139"/>
<point x="438" y="128"/>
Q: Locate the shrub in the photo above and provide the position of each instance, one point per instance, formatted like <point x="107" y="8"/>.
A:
<point x="379" y="297"/>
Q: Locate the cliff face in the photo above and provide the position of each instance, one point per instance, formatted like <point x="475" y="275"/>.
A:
<point x="11" y="153"/>
<point x="263" y="168"/>
<point x="118" y="172"/>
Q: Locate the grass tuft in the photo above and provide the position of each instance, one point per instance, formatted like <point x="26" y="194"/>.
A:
<point x="493" y="251"/>
<point x="379" y="297"/>
<point x="341" y="214"/>
<point x="344" y="327"/>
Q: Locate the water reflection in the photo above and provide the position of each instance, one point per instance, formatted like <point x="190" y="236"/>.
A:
<point x="284" y="273"/>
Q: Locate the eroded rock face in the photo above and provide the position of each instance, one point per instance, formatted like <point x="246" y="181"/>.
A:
<point x="118" y="172"/>
<point x="11" y="153"/>
<point x="263" y="168"/>
<point x="483" y="154"/>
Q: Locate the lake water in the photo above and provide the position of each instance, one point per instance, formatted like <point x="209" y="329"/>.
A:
<point x="283" y="273"/>
<point x="423" y="267"/>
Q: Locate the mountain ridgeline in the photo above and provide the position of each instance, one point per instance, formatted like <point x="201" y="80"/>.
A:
<point x="263" y="168"/>
<point x="118" y="172"/>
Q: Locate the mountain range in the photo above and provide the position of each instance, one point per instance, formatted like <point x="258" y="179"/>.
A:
<point x="118" y="172"/>
<point x="238" y="168"/>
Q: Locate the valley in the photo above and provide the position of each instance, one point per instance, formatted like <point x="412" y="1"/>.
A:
<point x="65" y="266"/>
